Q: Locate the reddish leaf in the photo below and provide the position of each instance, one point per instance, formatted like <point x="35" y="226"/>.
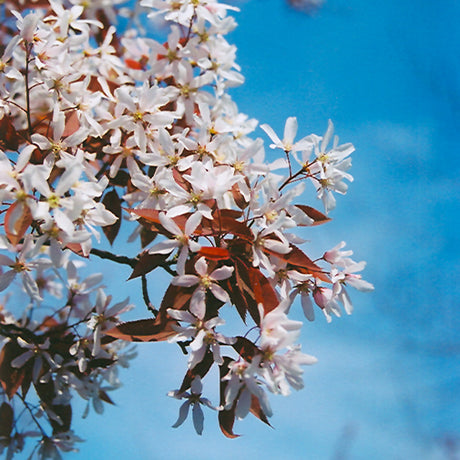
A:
<point x="225" y="222"/>
<point x="226" y="422"/>
<point x="143" y="330"/>
<point x="242" y="294"/>
<point x="226" y="416"/>
<point x="237" y="297"/>
<point x="6" y="420"/>
<point x="11" y="378"/>
<point x="318" y="217"/>
<point x="245" y="348"/>
<point x="76" y="248"/>
<point x="9" y="138"/>
<point x="147" y="236"/>
<point x="212" y="253"/>
<point x="95" y="86"/>
<point x="72" y="123"/>
<point x="175" y="297"/>
<point x="201" y="369"/>
<point x="263" y="290"/>
<point x="257" y="410"/>
<point x="105" y="397"/>
<point x="132" y="64"/>
<point x="153" y="216"/>
<point x="17" y="220"/>
<point x="112" y="203"/>
<point x="239" y="198"/>
<point x="147" y="262"/>
<point x="303" y="263"/>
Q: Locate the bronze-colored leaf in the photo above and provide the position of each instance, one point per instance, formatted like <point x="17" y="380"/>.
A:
<point x="257" y="410"/>
<point x="147" y="262"/>
<point x="263" y="291"/>
<point x="143" y="330"/>
<point x="105" y="397"/>
<point x="201" y="369"/>
<point x="72" y="123"/>
<point x="302" y="263"/>
<point x="6" y="420"/>
<point x="212" y="253"/>
<point x="11" y="378"/>
<point x="227" y="416"/>
<point x="9" y="138"/>
<point x="112" y="203"/>
<point x="245" y="348"/>
<point x="317" y="216"/>
<point x="17" y="220"/>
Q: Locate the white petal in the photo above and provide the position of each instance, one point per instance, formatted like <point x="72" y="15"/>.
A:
<point x="198" y="418"/>
<point x="185" y="280"/>
<point x="290" y="130"/>
<point x="222" y="273"/>
<point x="197" y="303"/>
<point x="219" y="293"/>
<point x="183" y="413"/>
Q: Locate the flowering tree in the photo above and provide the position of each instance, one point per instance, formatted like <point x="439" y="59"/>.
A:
<point x="99" y="126"/>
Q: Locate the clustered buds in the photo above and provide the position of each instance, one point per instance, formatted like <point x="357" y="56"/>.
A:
<point x="100" y="126"/>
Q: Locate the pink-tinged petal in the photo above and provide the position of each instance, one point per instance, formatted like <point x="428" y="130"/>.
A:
<point x="196" y="387"/>
<point x="29" y="24"/>
<point x="198" y="418"/>
<point x="222" y="273"/>
<point x="277" y="246"/>
<point x="290" y="130"/>
<point x="68" y="179"/>
<point x="181" y="315"/>
<point x="164" y="247"/>
<point x="201" y="266"/>
<point x="42" y="141"/>
<point x="58" y="124"/>
<point x="179" y="210"/>
<point x="24" y="157"/>
<point x="169" y="224"/>
<point x="192" y="223"/>
<point x="194" y="246"/>
<point x="185" y="280"/>
<point x="196" y="357"/>
<point x="213" y="322"/>
<point x="195" y="346"/>
<point x="198" y="304"/>
<point x="307" y="306"/>
<point x="244" y="404"/>
<point x="183" y="413"/>
<point x="181" y="260"/>
<point x="216" y="354"/>
<point x="219" y="293"/>
<point x="322" y="296"/>
<point x="5" y="260"/>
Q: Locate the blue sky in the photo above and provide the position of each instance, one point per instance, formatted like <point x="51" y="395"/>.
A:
<point x="388" y="378"/>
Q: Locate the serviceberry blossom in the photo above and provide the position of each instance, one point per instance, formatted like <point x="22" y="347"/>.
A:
<point x="204" y="281"/>
<point x="194" y="399"/>
<point x="109" y="131"/>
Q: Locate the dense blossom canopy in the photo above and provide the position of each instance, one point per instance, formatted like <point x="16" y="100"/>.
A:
<point x="99" y="126"/>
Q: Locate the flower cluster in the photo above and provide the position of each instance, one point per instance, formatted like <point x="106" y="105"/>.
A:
<point x="98" y="125"/>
